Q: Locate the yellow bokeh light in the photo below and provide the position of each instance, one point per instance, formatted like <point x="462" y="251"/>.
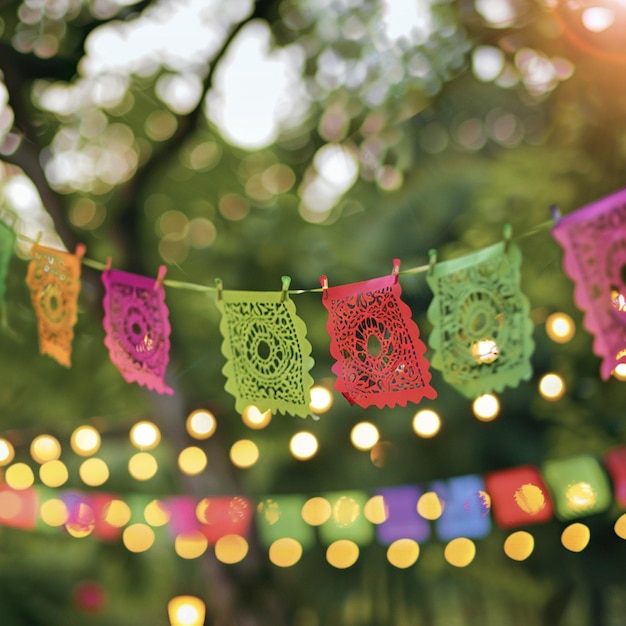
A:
<point x="85" y="440"/>
<point x="426" y="423"/>
<point x="530" y="498"/>
<point x="94" y="472"/>
<point x="316" y="511"/>
<point x="403" y="553"/>
<point x="53" y="512"/>
<point x="7" y="452"/>
<point x="244" y="453"/>
<point x="156" y="513"/>
<point x="190" y="545"/>
<point x="552" y="387"/>
<point x="192" y="461"/>
<point x="142" y="466"/>
<point x="81" y="521"/>
<point x="19" y="476"/>
<point x="201" y="424"/>
<point x="430" y="506"/>
<point x="485" y="351"/>
<point x="186" y="611"/>
<point x="145" y="435"/>
<point x="575" y="537"/>
<point x="342" y="553"/>
<point x="486" y="407"/>
<point x="116" y="513"/>
<point x="285" y="552"/>
<point x="231" y="549"/>
<point x="321" y="399"/>
<point x="375" y="510"/>
<point x="53" y="473"/>
<point x="560" y="327"/>
<point x="138" y="537"/>
<point x="519" y="545"/>
<point x="45" y="448"/>
<point x="253" y="418"/>
<point x="620" y="371"/>
<point x="346" y="511"/>
<point x="303" y="445"/>
<point x="580" y="496"/>
<point x="460" y="552"/>
<point x="620" y="526"/>
<point x="364" y="436"/>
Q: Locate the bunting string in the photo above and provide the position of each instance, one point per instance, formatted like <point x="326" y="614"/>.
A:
<point x="481" y="338"/>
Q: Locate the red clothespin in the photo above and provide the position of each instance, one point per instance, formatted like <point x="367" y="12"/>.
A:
<point x="324" y="283"/>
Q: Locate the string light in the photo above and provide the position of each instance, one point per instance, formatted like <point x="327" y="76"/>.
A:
<point x="45" y="448"/>
<point x="303" y="445"/>
<point x="426" y="423"/>
<point x="253" y="418"/>
<point x="552" y="387"/>
<point x="486" y="407"/>
<point x="364" y="436"/>
<point x="85" y="440"/>
<point x="244" y="453"/>
<point x="186" y="611"/>
<point x="321" y="399"/>
<point x="145" y="435"/>
<point x="192" y="461"/>
<point x="7" y="452"/>
<point x="560" y="327"/>
<point x="142" y="466"/>
<point x="94" y="472"/>
<point x="201" y="424"/>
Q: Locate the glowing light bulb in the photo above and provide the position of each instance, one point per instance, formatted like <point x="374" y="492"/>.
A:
<point x="45" y="448"/>
<point x="620" y="371"/>
<point x="426" y="423"/>
<point x="485" y="351"/>
<point x="145" y="435"/>
<point x="303" y="445"/>
<point x="552" y="387"/>
<point x="85" y="440"/>
<point x="321" y="399"/>
<point x="201" y="424"/>
<point x="7" y="452"/>
<point x="364" y="436"/>
<point x="560" y="327"/>
<point x="244" y="453"/>
<point x="486" y="407"/>
<point x="253" y="418"/>
<point x="186" y="611"/>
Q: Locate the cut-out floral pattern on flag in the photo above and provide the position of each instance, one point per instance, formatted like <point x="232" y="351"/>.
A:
<point x="379" y="355"/>
<point x="53" y="278"/>
<point x="136" y="323"/>
<point x="482" y="332"/>
<point x="268" y="357"/>
<point x="593" y="239"/>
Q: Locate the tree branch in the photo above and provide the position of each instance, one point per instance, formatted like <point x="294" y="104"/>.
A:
<point x="128" y="225"/>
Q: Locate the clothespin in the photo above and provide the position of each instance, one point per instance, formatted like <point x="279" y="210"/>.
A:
<point x="507" y="231"/>
<point x="285" y="292"/>
<point x="324" y="283"/>
<point x="220" y="287"/>
<point x="79" y="253"/>
<point x="109" y="262"/>
<point x="395" y="270"/>
<point x="432" y="259"/>
<point x="160" y="276"/>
